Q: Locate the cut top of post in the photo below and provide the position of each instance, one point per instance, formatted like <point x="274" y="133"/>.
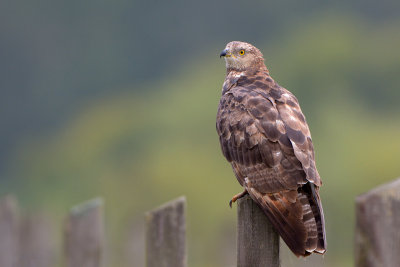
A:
<point x="386" y="191"/>
<point x="84" y="235"/>
<point x="165" y="235"/>
<point x="377" y="229"/>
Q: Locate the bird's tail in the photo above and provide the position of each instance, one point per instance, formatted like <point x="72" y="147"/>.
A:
<point x="297" y="216"/>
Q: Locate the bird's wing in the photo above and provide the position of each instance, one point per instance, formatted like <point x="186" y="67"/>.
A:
<point x="255" y="136"/>
<point x="298" y="133"/>
<point x="265" y="137"/>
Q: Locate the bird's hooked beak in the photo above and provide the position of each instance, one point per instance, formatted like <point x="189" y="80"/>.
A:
<point x="224" y="53"/>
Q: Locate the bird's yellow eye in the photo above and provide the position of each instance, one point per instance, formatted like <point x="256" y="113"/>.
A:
<point x="241" y="52"/>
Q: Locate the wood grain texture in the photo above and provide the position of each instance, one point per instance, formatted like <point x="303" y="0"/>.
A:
<point x="377" y="239"/>
<point x="165" y="235"/>
<point x="257" y="241"/>
<point x="9" y="231"/>
<point x="84" y="235"/>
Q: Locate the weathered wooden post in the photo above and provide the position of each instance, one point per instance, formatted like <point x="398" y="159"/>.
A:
<point x="9" y="231"/>
<point x="165" y="235"/>
<point x="84" y="235"/>
<point x="257" y="241"/>
<point x="377" y="239"/>
<point x="37" y="245"/>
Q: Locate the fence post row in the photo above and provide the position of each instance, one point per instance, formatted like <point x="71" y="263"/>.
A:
<point x="377" y="237"/>
<point x="22" y="242"/>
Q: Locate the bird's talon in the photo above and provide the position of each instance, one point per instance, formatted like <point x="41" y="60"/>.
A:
<point x="236" y="197"/>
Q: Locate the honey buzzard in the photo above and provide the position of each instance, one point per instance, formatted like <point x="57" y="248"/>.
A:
<point x="265" y="137"/>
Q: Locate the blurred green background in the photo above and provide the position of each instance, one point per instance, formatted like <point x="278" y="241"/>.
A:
<point x="118" y="99"/>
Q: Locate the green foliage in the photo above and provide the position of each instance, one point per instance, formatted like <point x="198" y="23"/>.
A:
<point x="141" y="148"/>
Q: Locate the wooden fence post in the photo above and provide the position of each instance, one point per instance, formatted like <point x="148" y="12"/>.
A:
<point x="377" y="239"/>
<point x="165" y="235"/>
<point x="9" y="231"/>
<point x="84" y="235"/>
<point x="37" y="245"/>
<point x="257" y="241"/>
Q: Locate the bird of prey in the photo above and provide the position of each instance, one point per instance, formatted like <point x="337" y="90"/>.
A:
<point x="265" y="137"/>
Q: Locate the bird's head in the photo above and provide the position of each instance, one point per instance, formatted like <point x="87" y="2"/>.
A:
<point x="241" y="56"/>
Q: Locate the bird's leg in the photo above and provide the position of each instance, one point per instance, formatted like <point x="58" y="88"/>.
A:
<point x="237" y="196"/>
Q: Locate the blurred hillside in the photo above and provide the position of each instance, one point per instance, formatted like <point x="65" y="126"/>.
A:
<point x="119" y="100"/>
<point x="58" y="56"/>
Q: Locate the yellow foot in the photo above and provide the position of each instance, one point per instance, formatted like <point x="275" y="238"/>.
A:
<point x="236" y="197"/>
